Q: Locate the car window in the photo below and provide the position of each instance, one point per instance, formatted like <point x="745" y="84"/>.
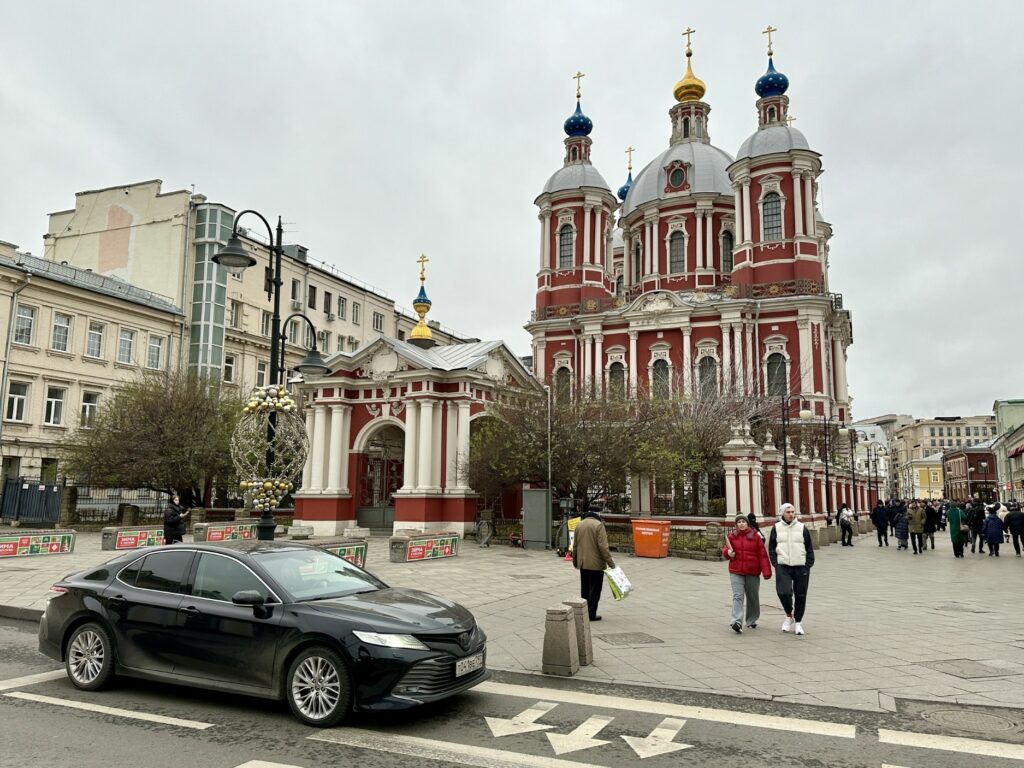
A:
<point x="129" y="574"/>
<point x="163" y="571"/>
<point x="310" y="574"/>
<point x="219" y="578"/>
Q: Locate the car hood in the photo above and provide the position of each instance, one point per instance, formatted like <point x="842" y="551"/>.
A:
<point x="399" y="610"/>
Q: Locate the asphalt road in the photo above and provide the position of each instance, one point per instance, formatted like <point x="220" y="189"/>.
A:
<point x="510" y="721"/>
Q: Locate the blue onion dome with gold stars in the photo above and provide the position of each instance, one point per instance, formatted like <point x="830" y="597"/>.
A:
<point x="624" y="189"/>
<point x="421" y="298"/>
<point x="772" y="82"/>
<point x="578" y="124"/>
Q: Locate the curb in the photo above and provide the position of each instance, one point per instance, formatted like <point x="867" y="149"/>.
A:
<point x="20" y="614"/>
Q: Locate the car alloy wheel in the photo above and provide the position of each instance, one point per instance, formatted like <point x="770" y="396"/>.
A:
<point x="89" y="661"/>
<point x="318" y="688"/>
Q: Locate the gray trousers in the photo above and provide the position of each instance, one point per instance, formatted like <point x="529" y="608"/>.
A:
<point x="745" y="587"/>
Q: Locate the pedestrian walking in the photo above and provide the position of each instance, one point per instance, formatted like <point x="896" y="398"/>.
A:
<point x="931" y="523"/>
<point x="915" y="525"/>
<point x="976" y="520"/>
<point x="956" y="523"/>
<point x="992" y="528"/>
<point x="890" y="512"/>
<point x="792" y="555"/>
<point x="748" y="562"/>
<point x="1014" y="523"/>
<point x="174" y="521"/>
<point x="846" y="524"/>
<point x="902" y="529"/>
<point x="590" y="556"/>
<point x="881" y="522"/>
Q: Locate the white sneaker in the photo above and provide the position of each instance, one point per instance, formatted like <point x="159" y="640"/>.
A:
<point x="799" y="630"/>
<point x="788" y="624"/>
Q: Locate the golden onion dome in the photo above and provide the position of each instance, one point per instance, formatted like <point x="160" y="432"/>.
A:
<point x="691" y="87"/>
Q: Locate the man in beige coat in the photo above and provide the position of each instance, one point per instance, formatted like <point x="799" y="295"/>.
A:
<point x="915" y="522"/>
<point x="590" y="555"/>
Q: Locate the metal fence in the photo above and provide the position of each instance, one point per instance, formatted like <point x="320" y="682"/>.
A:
<point x="102" y="505"/>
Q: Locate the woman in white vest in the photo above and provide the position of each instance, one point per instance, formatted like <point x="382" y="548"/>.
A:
<point x="792" y="555"/>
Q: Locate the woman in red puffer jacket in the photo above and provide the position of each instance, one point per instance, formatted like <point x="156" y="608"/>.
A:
<point x="748" y="561"/>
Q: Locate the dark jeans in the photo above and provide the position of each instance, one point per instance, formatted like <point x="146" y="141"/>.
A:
<point x="591" y="583"/>
<point x="958" y="548"/>
<point x="847" y="532"/>
<point x="977" y="538"/>
<point x="790" y="581"/>
<point x="917" y="541"/>
<point x="993" y="548"/>
<point x="1016" y="541"/>
<point x="883" y="534"/>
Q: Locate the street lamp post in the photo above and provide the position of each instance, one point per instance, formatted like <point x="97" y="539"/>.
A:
<point x="804" y="414"/>
<point x="547" y="389"/>
<point x="826" y="422"/>
<point x="234" y="256"/>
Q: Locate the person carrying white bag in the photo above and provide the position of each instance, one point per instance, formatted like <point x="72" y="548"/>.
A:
<point x="591" y="556"/>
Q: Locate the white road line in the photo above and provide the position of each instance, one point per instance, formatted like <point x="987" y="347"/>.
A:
<point x="21" y="682"/>
<point x="791" y="724"/>
<point x="446" y="752"/>
<point x="265" y="764"/>
<point x="952" y="744"/>
<point x="195" y="725"/>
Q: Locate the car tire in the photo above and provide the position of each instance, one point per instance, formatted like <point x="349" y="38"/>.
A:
<point x="318" y="687"/>
<point x="89" y="660"/>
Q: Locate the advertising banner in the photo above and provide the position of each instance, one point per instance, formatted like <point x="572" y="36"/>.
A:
<point x="36" y="544"/>
<point x="231" y="531"/>
<point x="138" y="538"/>
<point x="433" y="548"/>
<point x="354" y="553"/>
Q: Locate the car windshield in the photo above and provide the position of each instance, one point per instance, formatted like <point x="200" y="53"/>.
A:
<point x="313" y="574"/>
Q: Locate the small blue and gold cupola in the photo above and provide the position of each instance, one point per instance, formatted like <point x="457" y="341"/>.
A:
<point x="421" y="335"/>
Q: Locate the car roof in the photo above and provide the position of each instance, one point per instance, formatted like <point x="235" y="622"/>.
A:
<point x="248" y="546"/>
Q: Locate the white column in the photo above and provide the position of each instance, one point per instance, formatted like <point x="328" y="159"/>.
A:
<point x="588" y="373"/>
<point x="632" y="363"/>
<point x="747" y="233"/>
<point x="451" y="448"/>
<point x="412" y="428"/>
<point x="804" y="359"/>
<point x="839" y="361"/>
<point x="751" y="363"/>
<point x="731" y="502"/>
<point x="726" y="359"/>
<point x="463" y="442"/>
<point x="798" y="210"/>
<point x="794" y="481"/>
<point x="585" y="232"/>
<point x="811" y="492"/>
<point x="346" y="442"/>
<point x="435" y="451"/>
<point x="738" y="214"/>
<point x="709" y="240"/>
<point x="741" y="361"/>
<point x="687" y="363"/>
<point x="809" y="202"/>
<point x="745" y="500"/>
<point x="648" y="268"/>
<point x="307" y="468"/>
<point x="538" y="363"/>
<point x="698" y="225"/>
<point x="599" y="365"/>
<point x="424" y="459"/>
<point x="598" y="238"/>
<point x="627" y="262"/>
<point x="335" y="450"/>
<point x="543" y="235"/>
<point x="546" y="250"/>
<point x="757" y="501"/>
<point x="319" y="436"/>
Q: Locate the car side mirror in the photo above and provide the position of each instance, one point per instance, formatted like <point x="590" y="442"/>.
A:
<point x="248" y="597"/>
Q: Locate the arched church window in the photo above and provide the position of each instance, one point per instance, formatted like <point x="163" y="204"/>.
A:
<point x="617" y="381"/>
<point x="677" y="252"/>
<point x="619" y="285"/>
<point x="659" y="380"/>
<point x="563" y="386"/>
<point x="686" y="127"/>
<point x="777" y="384"/>
<point x="707" y="376"/>
<point x="771" y="212"/>
<point x="771" y="114"/>
<point x="565" y="258"/>
<point x="727" y="245"/>
<point x="636" y="264"/>
<point x="573" y="154"/>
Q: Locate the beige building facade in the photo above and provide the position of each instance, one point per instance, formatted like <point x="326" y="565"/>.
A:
<point x="924" y="437"/>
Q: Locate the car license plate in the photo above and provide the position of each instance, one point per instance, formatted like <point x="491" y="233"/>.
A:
<point x="468" y="664"/>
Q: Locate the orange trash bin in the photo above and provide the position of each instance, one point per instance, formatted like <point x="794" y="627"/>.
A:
<point x="650" y="537"/>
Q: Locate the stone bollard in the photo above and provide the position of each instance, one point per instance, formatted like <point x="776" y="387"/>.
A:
<point x="833" y="534"/>
<point x="584" y="643"/>
<point x="561" y="656"/>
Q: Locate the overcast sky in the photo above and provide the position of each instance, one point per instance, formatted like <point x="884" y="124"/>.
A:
<point x="380" y="130"/>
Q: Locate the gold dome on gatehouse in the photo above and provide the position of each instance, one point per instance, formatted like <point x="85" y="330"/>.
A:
<point x="691" y="87"/>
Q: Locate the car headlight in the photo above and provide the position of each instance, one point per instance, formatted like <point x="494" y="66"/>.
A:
<point x="391" y="641"/>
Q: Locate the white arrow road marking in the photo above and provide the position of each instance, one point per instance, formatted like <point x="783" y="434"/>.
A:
<point x="524" y="722"/>
<point x="581" y="738"/>
<point x="952" y="744"/>
<point x="660" y="741"/>
<point x="111" y="711"/>
<point x="42" y="677"/>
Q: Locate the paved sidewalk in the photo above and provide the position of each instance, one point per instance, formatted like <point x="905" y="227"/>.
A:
<point x="881" y="624"/>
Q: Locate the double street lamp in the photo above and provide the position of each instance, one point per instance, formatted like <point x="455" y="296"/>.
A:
<point x="805" y="415"/>
<point x="235" y="257"/>
<point x="826" y="422"/>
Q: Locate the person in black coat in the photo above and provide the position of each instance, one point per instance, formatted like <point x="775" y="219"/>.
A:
<point x="931" y="523"/>
<point x="976" y="520"/>
<point x="174" y="521"/>
<point x="1014" y="522"/>
<point x="880" y="519"/>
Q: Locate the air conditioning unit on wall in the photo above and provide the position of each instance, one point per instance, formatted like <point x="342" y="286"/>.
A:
<point x="296" y="304"/>
<point x="330" y="315"/>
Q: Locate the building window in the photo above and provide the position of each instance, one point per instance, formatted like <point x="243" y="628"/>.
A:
<point x="353" y="343"/>
<point x="341" y="343"/>
<point x="296" y="290"/>
<point x="235" y="314"/>
<point x="24" y="324"/>
<point x="325" y="341"/>
<point x="931" y="432"/>
<point x="977" y="431"/>
<point x="933" y="442"/>
<point x="54" y="406"/>
<point x="17" y="394"/>
<point x="677" y="252"/>
<point x="563" y="386"/>
<point x="401" y="334"/>
<point x="617" y="381"/>
<point x="61" y="332"/>
<point x="378" y="322"/>
<point x="620" y="285"/>
<point x="342" y="305"/>
<point x="94" y="340"/>
<point x="126" y="347"/>
<point x="777" y="378"/>
<point x="293" y="331"/>
<point x="265" y="318"/>
<point x="958" y="431"/>
<point x="261" y="373"/>
<point x="328" y="302"/>
<point x="310" y="338"/>
<point x="686" y="132"/>
<point x="636" y="263"/>
<point x="90" y="405"/>
<point x="771" y="212"/>
<point x="229" y="368"/>
<point x="155" y="353"/>
<point x="727" y="246"/>
<point x="311" y="302"/>
<point x="659" y="380"/>
<point x="355" y="313"/>
<point x="565" y="256"/>
<point x="707" y="375"/>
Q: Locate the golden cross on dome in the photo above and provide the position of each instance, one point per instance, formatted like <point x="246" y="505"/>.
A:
<point x="768" y="31"/>
<point x="689" y="31"/>
<point x="422" y="261"/>
<point x="577" y="77"/>
<point x="790" y="120"/>
<point x="629" y="154"/>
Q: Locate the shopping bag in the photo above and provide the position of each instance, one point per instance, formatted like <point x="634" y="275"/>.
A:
<point x="618" y="583"/>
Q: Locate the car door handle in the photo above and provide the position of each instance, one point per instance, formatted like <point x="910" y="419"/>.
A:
<point x="116" y="600"/>
<point x="191" y="610"/>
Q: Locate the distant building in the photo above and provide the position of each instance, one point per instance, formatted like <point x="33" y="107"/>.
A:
<point x="924" y="437"/>
<point x="1009" y="417"/>
<point x="926" y="478"/>
<point x="970" y="473"/>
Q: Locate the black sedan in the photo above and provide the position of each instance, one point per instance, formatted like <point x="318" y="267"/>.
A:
<point x="263" y="618"/>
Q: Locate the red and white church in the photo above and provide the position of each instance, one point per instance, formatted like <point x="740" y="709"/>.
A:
<point x="706" y="272"/>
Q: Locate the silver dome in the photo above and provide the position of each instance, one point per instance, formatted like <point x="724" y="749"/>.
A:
<point x="708" y="173"/>
<point x="574" y="176"/>
<point x="768" y="141"/>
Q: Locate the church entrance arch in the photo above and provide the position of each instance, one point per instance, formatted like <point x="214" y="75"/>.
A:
<point x="379" y="474"/>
